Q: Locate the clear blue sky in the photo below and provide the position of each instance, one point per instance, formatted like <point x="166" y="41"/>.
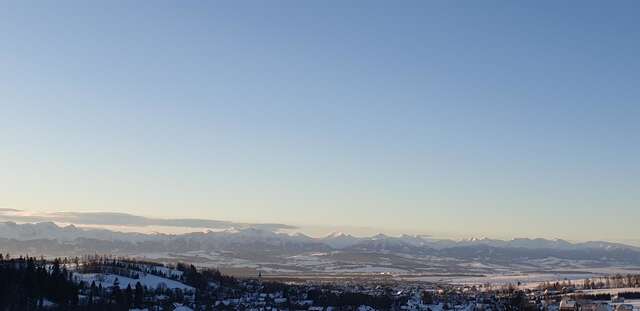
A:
<point x="497" y="118"/>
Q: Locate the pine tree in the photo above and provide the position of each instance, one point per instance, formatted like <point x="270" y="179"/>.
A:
<point x="128" y="296"/>
<point x="139" y="295"/>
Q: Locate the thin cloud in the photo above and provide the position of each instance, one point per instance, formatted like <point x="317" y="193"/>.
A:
<point x="124" y="219"/>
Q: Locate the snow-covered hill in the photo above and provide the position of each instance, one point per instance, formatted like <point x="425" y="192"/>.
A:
<point x="148" y="280"/>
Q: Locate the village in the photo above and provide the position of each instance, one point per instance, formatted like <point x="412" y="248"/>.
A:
<point x="116" y="283"/>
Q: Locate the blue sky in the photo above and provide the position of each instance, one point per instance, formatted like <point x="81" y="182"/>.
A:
<point x="463" y="118"/>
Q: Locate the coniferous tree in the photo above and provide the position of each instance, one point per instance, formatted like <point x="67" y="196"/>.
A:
<point x="128" y="296"/>
<point x="139" y="295"/>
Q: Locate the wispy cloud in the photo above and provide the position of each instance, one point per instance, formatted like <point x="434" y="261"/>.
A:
<point x="124" y="219"/>
<point x="4" y="210"/>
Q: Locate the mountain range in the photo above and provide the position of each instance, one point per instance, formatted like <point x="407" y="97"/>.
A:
<point x="284" y="253"/>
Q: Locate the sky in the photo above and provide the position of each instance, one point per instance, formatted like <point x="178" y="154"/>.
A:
<point x="450" y="118"/>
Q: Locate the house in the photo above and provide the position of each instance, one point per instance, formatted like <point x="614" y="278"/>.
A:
<point x="595" y="306"/>
<point x="624" y="307"/>
<point x="306" y="302"/>
<point x="568" y="305"/>
<point x="617" y="299"/>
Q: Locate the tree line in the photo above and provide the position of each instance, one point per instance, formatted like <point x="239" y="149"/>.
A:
<point x="27" y="283"/>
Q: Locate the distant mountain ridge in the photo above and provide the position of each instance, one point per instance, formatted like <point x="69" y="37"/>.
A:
<point x="287" y="252"/>
<point x="338" y="240"/>
<point x="50" y="230"/>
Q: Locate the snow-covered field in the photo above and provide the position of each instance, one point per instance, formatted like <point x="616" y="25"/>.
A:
<point x="526" y="280"/>
<point x="634" y="302"/>
<point x="148" y="280"/>
<point x="613" y="291"/>
<point x="401" y="266"/>
<point x="366" y="269"/>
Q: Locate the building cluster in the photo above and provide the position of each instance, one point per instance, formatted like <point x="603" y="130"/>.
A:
<point x="261" y="295"/>
<point x="105" y="283"/>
